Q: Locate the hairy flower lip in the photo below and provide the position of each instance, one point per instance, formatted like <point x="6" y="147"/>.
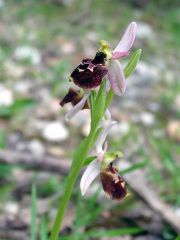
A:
<point x="113" y="184"/>
<point x="89" y="74"/>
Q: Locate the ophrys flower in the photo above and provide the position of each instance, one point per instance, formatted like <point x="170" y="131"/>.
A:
<point x="102" y="166"/>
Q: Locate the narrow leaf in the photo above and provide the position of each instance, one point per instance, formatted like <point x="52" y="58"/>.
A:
<point x="43" y="230"/>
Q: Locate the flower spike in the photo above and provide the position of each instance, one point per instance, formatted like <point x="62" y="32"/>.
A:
<point x="89" y="77"/>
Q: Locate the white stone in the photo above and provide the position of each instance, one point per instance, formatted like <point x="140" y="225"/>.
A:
<point x="6" y="96"/>
<point x="147" y="118"/>
<point x="11" y="208"/>
<point x="36" y="147"/>
<point x="27" y="52"/>
<point x="55" y="132"/>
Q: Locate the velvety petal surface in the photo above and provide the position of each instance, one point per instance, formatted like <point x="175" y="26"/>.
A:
<point x="116" y="77"/>
<point x="126" y="41"/>
<point x="91" y="172"/>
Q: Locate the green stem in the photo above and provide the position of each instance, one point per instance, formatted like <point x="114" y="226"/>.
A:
<point x="73" y="174"/>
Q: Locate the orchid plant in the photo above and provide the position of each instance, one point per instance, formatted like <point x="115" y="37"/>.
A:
<point x="96" y="81"/>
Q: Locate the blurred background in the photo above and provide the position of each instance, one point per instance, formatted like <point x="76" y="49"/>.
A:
<point x="41" y="42"/>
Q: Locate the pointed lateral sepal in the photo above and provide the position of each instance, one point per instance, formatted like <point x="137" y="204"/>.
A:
<point x="127" y="39"/>
<point x="91" y="172"/>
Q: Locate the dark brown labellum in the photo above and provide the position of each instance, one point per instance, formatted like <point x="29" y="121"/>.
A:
<point x="112" y="183"/>
<point x="73" y="97"/>
<point x="90" y="72"/>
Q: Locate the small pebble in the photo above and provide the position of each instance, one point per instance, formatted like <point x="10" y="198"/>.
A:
<point x="6" y="96"/>
<point x="173" y="130"/>
<point x="11" y="208"/>
<point x="147" y="118"/>
<point x="55" y="132"/>
<point x="27" y="52"/>
<point x="36" y="147"/>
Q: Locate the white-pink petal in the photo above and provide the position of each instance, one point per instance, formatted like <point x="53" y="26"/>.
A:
<point x="127" y="39"/>
<point x="116" y="77"/>
<point x="117" y="55"/>
<point x="75" y="109"/>
<point x="91" y="172"/>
